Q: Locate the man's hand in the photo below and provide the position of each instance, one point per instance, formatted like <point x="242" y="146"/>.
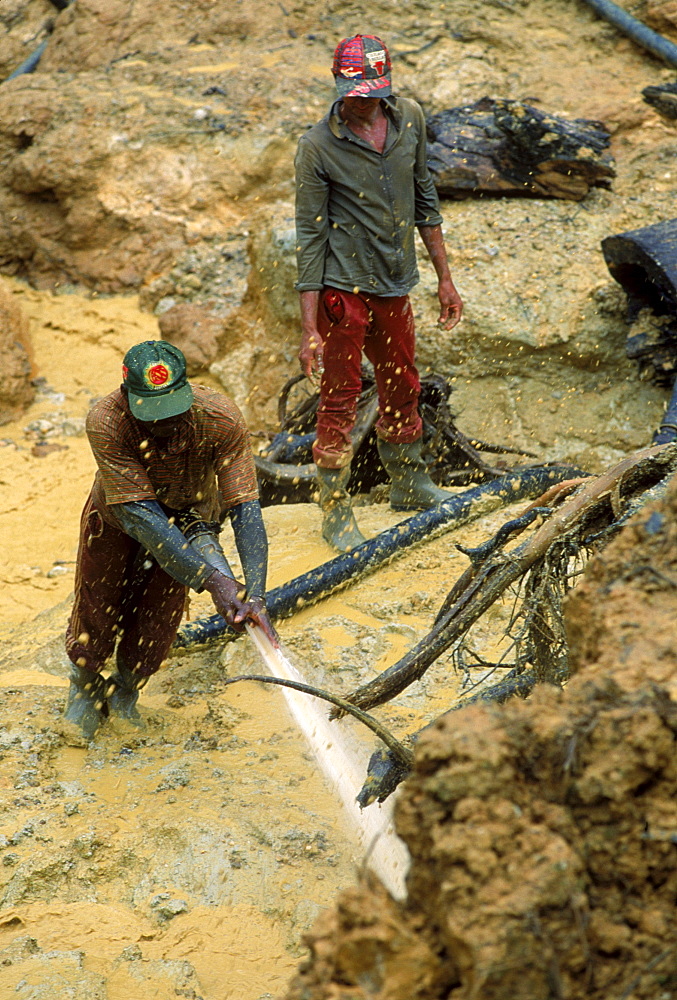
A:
<point x="228" y="597"/>
<point x="451" y="306"/>
<point x="311" y="350"/>
<point x="230" y="602"/>
<point x="311" y="355"/>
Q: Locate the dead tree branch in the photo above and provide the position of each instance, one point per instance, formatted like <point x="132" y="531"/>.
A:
<point x="481" y="585"/>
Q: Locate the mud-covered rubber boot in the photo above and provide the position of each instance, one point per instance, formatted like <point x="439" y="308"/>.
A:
<point x="122" y="701"/>
<point x="412" y="488"/>
<point x="339" y="527"/>
<point x="86" y="700"/>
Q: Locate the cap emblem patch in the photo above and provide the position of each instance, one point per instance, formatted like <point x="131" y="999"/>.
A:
<point x="377" y="60"/>
<point x="157" y="375"/>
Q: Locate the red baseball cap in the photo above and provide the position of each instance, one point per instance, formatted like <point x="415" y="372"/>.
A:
<point x="362" y="67"/>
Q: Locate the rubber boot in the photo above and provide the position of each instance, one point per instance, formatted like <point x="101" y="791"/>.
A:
<point x="86" y="699"/>
<point x="122" y="701"/>
<point x="412" y="488"/>
<point x="339" y="527"/>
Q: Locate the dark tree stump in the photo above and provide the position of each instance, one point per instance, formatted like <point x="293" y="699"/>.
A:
<point x="644" y="262"/>
<point x="509" y="148"/>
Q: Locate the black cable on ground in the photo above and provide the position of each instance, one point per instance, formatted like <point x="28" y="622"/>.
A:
<point x="336" y="573"/>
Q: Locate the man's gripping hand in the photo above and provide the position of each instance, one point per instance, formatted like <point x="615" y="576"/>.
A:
<point x="258" y="615"/>
<point x="228" y="597"/>
<point x="230" y="602"/>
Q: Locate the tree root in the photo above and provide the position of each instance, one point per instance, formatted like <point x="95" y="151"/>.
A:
<point x="485" y="581"/>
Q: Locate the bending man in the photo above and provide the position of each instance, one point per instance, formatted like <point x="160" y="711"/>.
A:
<point x="362" y="189"/>
<point x="173" y="462"/>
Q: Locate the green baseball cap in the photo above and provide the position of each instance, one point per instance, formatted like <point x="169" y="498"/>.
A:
<point x="154" y="375"/>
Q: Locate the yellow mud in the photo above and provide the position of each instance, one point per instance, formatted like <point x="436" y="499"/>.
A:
<point x="113" y="816"/>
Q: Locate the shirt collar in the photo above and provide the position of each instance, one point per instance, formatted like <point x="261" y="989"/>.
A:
<point x="182" y="438"/>
<point x="342" y="131"/>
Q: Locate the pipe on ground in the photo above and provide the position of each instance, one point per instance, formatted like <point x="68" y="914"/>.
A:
<point x="636" y="30"/>
<point x="284" y="601"/>
<point x="29" y="64"/>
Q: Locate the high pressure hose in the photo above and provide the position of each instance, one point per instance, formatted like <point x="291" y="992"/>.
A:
<point x="634" y="29"/>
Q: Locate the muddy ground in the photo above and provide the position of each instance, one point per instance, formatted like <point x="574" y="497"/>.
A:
<point x="193" y="854"/>
<point x="146" y="184"/>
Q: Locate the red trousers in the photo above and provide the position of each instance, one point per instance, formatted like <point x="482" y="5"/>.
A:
<point x="383" y="327"/>
<point x="120" y="594"/>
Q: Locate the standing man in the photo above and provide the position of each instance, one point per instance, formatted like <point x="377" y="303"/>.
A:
<point x="173" y="461"/>
<point x="362" y="188"/>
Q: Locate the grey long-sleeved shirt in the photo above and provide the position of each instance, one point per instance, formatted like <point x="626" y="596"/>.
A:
<point x="357" y="210"/>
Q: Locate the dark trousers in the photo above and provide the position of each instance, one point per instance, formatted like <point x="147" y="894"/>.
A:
<point x="382" y="327"/>
<point x="121" y="595"/>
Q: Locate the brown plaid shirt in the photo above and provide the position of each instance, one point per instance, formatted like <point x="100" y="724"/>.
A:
<point x="207" y="464"/>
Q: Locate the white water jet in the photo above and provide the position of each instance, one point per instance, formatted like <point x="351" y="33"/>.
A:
<point x="344" y="768"/>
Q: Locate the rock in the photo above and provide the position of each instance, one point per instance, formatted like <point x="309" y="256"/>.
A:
<point x="272" y="252"/>
<point x="367" y="946"/>
<point x="195" y="331"/>
<point x="234" y="373"/>
<point x="166" y="907"/>
<point x="50" y="974"/>
<point x="16" y="391"/>
<point x="91" y="33"/>
<point x="95" y="196"/>
<point x="44" y="448"/>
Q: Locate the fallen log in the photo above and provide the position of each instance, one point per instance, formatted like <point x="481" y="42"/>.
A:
<point x="501" y="147"/>
<point x="386" y="770"/>
<point x="480" y="586"/>
<point x="668" y="428"/>
<point x="644" y="262"/>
